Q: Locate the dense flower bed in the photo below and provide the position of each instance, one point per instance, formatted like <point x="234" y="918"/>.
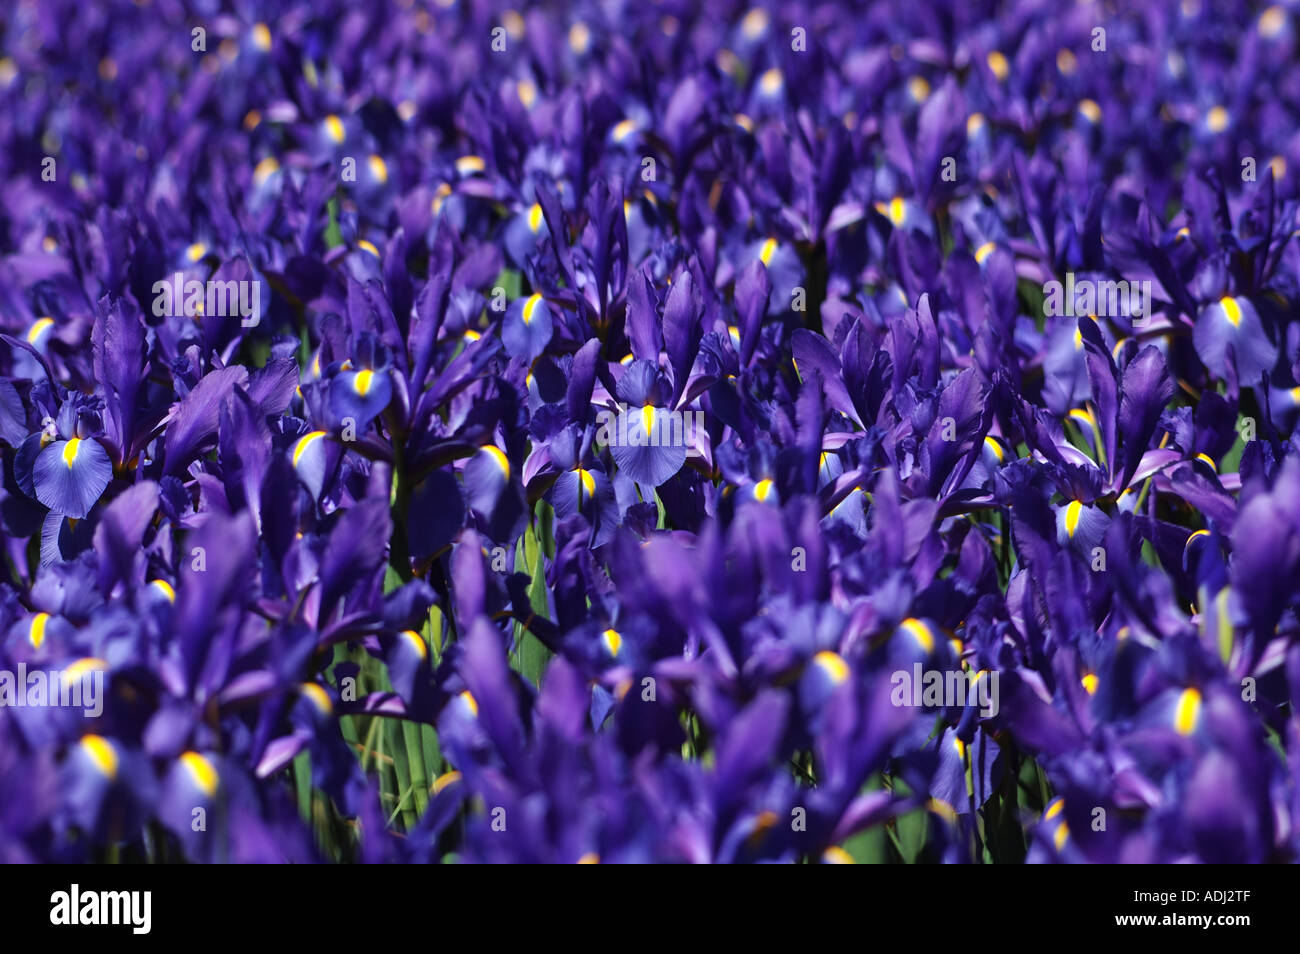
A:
<point x="637" y="432"/>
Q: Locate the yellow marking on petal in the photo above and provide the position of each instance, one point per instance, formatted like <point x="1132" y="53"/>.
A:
<point x="202" y="771"/>
<point x="1089" y="682"/>
<point x="920" y="632"/>
<point x="165" y="588"/>
<point x="1072" y="513"/>
<point x="303" y="443"/>
<point x="415" y="642"/>
<point x="590" y="858"/>
<point x="85" y="664"/>
<point x="38" y="328"/>
<point x="897" y="210"/>
<point x="974" y="123"/>
<point x="1054" y="809"/>
<point x="468" y="165"/>
<point x="754" y="23"/>
<point x="472" y="335"/>
<point x="261" y="36"/>
<point x="1278" y="165"/>
<point x="36" y="633"/>
<point x="1188" y="711"/>
<point x="835" y="855"/>
<point x="763" y="490"/>
<point x="318" y="696"/>
<point x="765" y="253"/>
<point x="833" y="665"/>
<point x="998" y="64"/>
<point x="1209" y="460"/>
<point x="612" y="640"/>
<point x="770" y="83"/>
<point x="265" y="169"/>
<point x="102" y="753"/>
<point x="1091" y="110"/>
<point x="941" y="808"/>
<point x="960" y="746"/>
<point x="1295" y="394"/>
<point x="513" y="23"/>
<point x="378" y="168"/>
<point x="407" y="109"/>
<point x="368" y="246"/>
<point x="1081" y="415"/>
<point x="1217" y="119"/>
<point x="918" y="87"/>
<point x="70" y="451"/>
<point x="1062" y="836"/>
<point x="1066" y="62"/>
<point x="442" y="781"/>
<point x="470" y="702"/>
<point x="535" y="217"/>
<point x="984" y="251"/>
<point x="579" y="37"/>
<point x="648" y="418"/>
<point x="587" y="482"/>
<point x="499" y="456"/>
<point x="530" y="306"/>
<point x="334" y="128"/>
<point x="196" y="251"/>
<point x="995" y="447"/>
<point x="1231" y="310"/>
<point x="1078" y="339"/>
<point x="526" y="90"/>
<point x="623" y="129"/>
<point x="363" y="382"/>
<point x="1272" y="21"/>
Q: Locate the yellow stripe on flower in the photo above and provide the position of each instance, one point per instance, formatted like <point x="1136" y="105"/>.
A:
<point x="1217" y="119"/>
<point x="612" y="640"/>
<point x="363" y="382"/>
<point x="196" y="251"/>
<point x="499" y="456"/>
<point x="579" y="37"/>
<point x="36" y="633"/>
<point x="1072" y="513"/>
<point x="587" y="482"/>
<point x="765" y="253"/>
<point x="303" y="443"/>
<point x="38" y="328"/>
<point x="367" y="246"/>
<point x="763" y="489"/>
<point x="535" y="217"/>
<point x="334" y="128"/>
<point x="648" y="418"/>
<point x="261" y="36"/>
<point x="442" y="781"/>
<point x="468" y="165"/>
<point x="833" y="665"/>
<point x="984" y="251"/>
<point x="530" y="306"/>
<point x="770" y="83"/>
<point x="471" y="703"/>
<point x="1054" y="809"/>
<point x="265" y="169"/>
<point x="835" y="855"/>
<point x="590" y="858"/>
<point x="415" y="642"/>
<point x="318" y="696"/>
<point x="1231" y="310"/>
<point x="998" y="64"/>
<point x="165" y="588"/>
<point x="1209" y="460"/>
<point x="754" y="23"/>
<point x="1188" y="711"/>
<point x="1089" y="683"/>
<point x="85" y="664"/>
<point x="1062" y="836"/>
<point x="102" y="754"/>
<point x="1272" y="21"/>
<point x="1090" y="110"/>
<point x="70" y="451"/>
<point x="974" y="123"/>
<point x="995" y="447"/>
<point x="378" y="168"/>
<point x="622" y="129"/>
<point x="201" y="770"/>
<point x="920" y="632"/>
